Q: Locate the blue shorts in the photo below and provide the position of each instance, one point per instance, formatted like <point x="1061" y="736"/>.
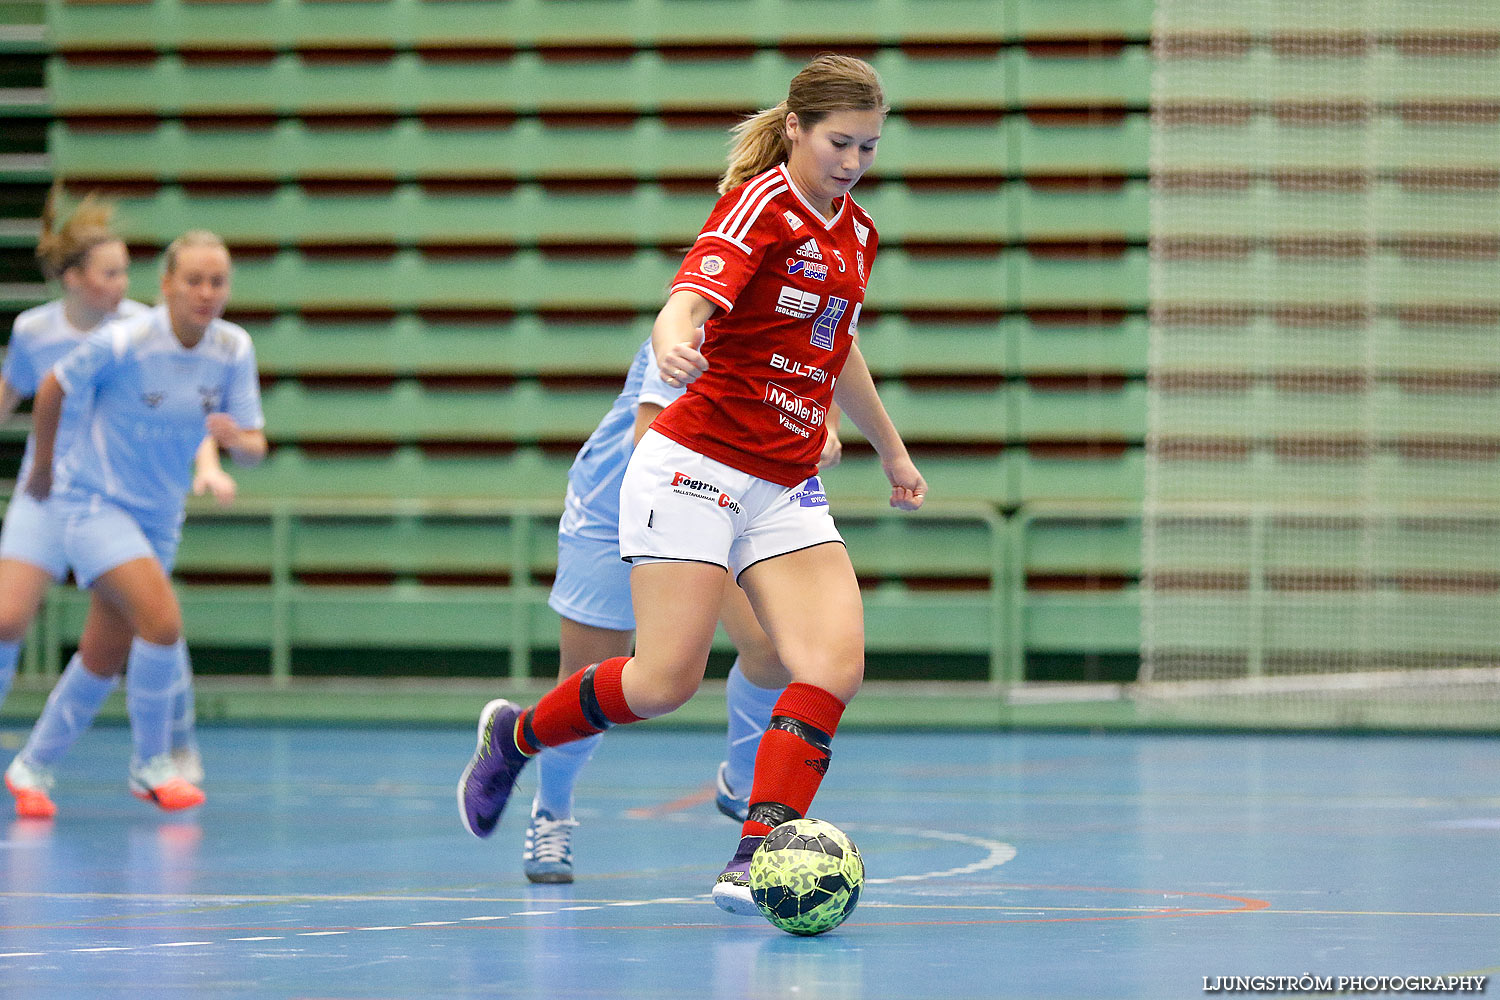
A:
<point x="33" y="533"/>
<point x="593" y="584"/>
<point x="98" y="536"/>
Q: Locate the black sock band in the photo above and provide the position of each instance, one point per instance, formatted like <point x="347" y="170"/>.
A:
<point x="528" y="735"/>
<point x="811" y="735"/>
<point x="588" y="701"/>
<point x="772" y="814"/>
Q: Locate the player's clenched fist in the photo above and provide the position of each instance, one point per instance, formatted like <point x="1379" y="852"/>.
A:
<point x="682" y="363"/>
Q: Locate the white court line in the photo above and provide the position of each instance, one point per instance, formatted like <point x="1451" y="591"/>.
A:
<point x="996" y="853"/>
<point x="225" y="900"/>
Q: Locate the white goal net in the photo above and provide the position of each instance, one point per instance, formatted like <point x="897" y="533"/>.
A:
<point x="1322" y="512"/>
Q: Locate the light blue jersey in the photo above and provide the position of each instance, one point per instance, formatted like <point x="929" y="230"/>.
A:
<point x="150" y="397"/>
<point x="38" y="340"/>
<point x="593" y="584"/>
<point x="592" y="508"/>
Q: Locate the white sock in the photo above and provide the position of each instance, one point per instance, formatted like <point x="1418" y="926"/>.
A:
<point x="557" y="771"/>
<point x="71" y="707"/>
<point x="149" y="687"/>
<point x="184" y="709"/>
<point x="749" y="713"/>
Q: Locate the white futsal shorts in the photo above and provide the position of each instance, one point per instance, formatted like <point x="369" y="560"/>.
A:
<point x="33" y="534"/>
<point x="98" y="536"/>
<point x="679" y="505"/>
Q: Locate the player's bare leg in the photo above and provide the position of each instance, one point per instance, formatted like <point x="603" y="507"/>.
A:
<point x="810" y="605"/>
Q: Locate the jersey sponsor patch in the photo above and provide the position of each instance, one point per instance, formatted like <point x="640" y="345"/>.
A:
<point x="800" y="409"/>
<point x="796" y="303"/>
<point x="792" y="220"/>
<point x="861" y="233"/>
<point x="825" y="328"/>
<point x="811" y="269"/>
<point x="688" y="486"/>
<point x="810" y="250"/>
<point x="811" y="494"/>
<point x="703" y="490"/>
<point x="782" y="363"/>
<point x="711" y="264"/>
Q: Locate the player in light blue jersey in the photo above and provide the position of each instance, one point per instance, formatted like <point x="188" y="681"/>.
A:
<point x="89" y="261"/>
<point x="592" y="594"/>
<point x="156" y="382"/>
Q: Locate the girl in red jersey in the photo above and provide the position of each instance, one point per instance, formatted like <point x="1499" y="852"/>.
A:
<point x="725" y="479"/>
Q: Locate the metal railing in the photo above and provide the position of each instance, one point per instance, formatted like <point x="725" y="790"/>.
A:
<point x="292" y="611"/>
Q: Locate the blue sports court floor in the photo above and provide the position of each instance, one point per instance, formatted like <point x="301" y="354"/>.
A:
<point x="330" y="863"/>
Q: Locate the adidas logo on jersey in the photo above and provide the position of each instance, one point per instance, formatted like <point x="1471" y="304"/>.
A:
<point x="810" y="250"/>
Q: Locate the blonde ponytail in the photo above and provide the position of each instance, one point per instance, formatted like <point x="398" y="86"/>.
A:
<point x="90" y="225"/>
<point x="827" y="84"/>
<point x="759" y="144"/>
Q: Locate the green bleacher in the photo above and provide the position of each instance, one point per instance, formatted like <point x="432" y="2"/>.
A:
<point x="453" y="223"/>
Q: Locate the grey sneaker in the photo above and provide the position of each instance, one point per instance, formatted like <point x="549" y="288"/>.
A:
<point x="548" y="857"/>
<point x="732" y="887"/>
<point x="485" y="785"/>
<point x="736" y="807"/>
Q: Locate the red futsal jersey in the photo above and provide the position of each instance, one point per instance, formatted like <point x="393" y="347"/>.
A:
<point x="789" y="285"/>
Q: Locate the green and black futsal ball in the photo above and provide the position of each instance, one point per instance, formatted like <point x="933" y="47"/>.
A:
<point x="806" y="876"/>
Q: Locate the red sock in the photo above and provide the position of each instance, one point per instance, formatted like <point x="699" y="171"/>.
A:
<point x="793" y="757"/>
<point x="586" y="703"/>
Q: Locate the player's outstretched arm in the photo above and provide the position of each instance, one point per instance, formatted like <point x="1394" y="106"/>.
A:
<point x="247" y="446"/>
<point x="677" y="334"/>
<point x="645" y="416"/>
<point x="209" y="476"/>
<point x="833" y="447"/>
<point x="10" y="398"/>
<point x="856" y="396"/>
<point x="46" y="413"/>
